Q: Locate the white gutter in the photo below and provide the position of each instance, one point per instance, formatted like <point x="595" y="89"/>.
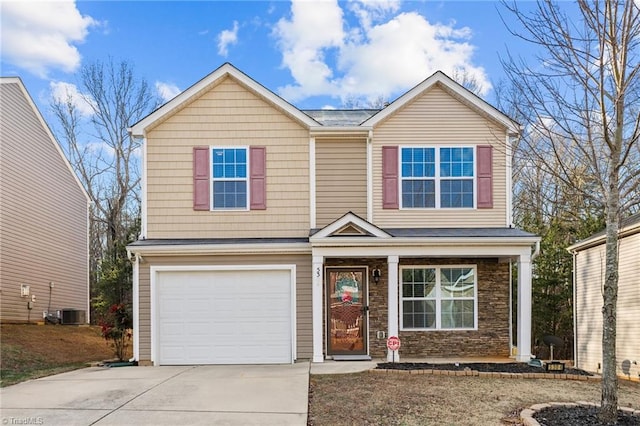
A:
<point x="425" y="241"/>
<point x="536" y="252"/>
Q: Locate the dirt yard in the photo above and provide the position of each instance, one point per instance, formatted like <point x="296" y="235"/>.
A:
<point x="31" y="351"/>
<point x="404" y="399"/>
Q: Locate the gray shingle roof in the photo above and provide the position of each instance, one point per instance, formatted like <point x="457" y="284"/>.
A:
<point x="395" y="232"/>
<point x="459" y="232"/>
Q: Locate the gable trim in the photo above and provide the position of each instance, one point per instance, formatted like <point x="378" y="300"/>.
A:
<point x="47" y="129"/>
<point x="349" y="219"/>
<point x="440" y="78"/>
<point x="226" y="70"/>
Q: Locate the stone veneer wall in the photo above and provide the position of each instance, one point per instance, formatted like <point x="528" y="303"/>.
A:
<point x="491" y="339"/>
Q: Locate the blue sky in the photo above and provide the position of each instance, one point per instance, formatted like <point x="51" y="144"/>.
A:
<point x="315" y="54"/>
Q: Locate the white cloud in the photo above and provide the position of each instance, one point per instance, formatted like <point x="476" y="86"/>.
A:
<point x="39" y="36"/>
<point x="167" y="91"/>
<point x="369" y="11"/>
<point x="67" y="92"/>
<point x="384" y="54"/>
<point x="315" y="26"/>
<point x="227" y="38"/>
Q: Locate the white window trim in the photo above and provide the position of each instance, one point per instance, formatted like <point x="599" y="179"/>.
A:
<point x="247" y="180"/>
<point x="437" y="178"/>
<point x="438" y="298"/>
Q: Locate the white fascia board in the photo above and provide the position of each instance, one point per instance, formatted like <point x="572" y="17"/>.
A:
<point x="439" y="77"/>
<point x="349" y="241"/>
<point x="440" y="251"/>
<point x="204" y="249"/>
<point x="601" y="239"/>
<point x="225" y="70"/>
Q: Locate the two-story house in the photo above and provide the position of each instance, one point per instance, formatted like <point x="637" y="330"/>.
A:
<point x="271" y="234"/>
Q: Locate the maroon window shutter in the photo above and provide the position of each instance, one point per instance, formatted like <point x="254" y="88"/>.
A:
<point x="485" y="176"/>
<point x="201" y="178"/>
<point x="390" y="177"/>
<point x="258" y="177"/>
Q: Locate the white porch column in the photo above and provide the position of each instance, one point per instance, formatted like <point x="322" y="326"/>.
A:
<point x="524" y="309"/>
<point x="392" y="320"/>
<point x="316" y="312"/>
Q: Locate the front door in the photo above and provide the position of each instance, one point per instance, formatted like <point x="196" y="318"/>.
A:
<point x="347" y="311"/>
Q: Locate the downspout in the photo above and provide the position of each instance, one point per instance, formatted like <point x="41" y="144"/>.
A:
<point x="536" y="252"/>
<point x="135" y="260"/>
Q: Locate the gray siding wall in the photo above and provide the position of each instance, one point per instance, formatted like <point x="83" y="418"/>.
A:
<point x="43" y="216"/>
<point x="590" y="266"/>
<point x="303" y="292"/>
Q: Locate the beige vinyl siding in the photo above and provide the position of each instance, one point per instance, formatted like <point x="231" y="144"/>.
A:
<point x="438" y="119"/>
<point x="341" y="179"/>
<point x="43" y="217"/>
<point x="590" y="265"/>
<point x="303" y="292"/>
<point x="227" y="115"/>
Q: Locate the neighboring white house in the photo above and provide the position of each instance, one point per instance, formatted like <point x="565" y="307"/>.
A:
<point x="589" y="267"/>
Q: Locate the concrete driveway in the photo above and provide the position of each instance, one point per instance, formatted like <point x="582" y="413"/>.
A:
<point x="198" y="395"/>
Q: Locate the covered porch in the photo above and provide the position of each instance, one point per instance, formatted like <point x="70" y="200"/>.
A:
<point x="389" y="268"/>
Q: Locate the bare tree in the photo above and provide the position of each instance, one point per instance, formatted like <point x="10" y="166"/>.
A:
<point x="467" y="80"/>
<point x="579" y="102"/>
<point x="104" y="156"/>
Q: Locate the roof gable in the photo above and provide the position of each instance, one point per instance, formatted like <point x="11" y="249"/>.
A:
<point x="452" y="88"/>
<point x="226" y="70"/>
<point x="350" y="225"/>
<point x="43" y="124"/>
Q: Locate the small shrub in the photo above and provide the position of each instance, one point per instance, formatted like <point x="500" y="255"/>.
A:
<point x="116" y="327"/>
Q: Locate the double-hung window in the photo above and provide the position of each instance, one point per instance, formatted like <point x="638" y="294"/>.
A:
<point x="438" y="298"/>
<point x="440" y="177"/>
<point x="229" y="178"/>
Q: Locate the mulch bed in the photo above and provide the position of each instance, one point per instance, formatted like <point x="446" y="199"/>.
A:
<point x="580" y="416"/>
<point x="509" y="367"/>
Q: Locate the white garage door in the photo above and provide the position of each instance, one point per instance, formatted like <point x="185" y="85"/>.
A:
<point x="224" y="317"/>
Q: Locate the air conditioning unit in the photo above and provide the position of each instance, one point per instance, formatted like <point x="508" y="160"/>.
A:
<point x="72" y="316"/>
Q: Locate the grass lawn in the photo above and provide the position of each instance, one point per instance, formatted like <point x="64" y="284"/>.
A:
<point x="31" y="351"/>
<point x="404" y="399"/>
